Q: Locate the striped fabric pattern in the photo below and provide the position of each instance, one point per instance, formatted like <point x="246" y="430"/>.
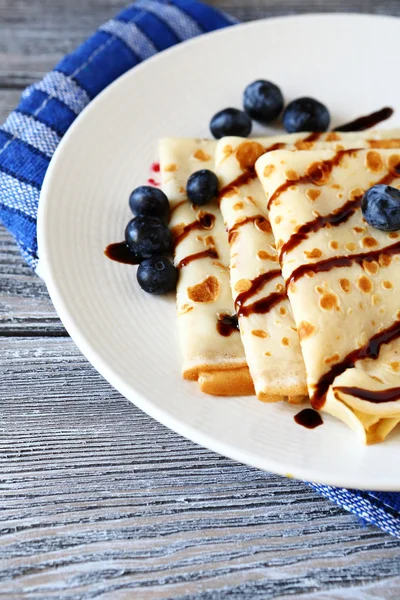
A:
<point x="32" y="132"/>
<point x="47" y="108"/>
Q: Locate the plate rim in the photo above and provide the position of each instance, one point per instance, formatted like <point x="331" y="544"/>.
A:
<point x="46" y="271"/>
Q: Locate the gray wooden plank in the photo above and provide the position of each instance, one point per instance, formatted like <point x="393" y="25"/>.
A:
<point x="99" y="500"/>
<point x="35" y="34"/>
<point x="25" y="307"/>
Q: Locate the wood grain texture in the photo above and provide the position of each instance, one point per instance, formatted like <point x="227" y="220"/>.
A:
<point x="98" y="498"/>
<point x="100" y="501"/>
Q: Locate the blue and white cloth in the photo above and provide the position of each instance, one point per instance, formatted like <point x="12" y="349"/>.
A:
<point x="33" y="130"/>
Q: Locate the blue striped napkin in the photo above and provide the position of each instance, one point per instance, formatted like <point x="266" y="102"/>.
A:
<point x="33" y="130"/>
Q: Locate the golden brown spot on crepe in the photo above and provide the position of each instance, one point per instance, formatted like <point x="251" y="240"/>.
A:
<point x="279" y="244"/>
<point x="332" y="359"/>
<point x="247" y="153"/>
<point x="332" y="136"/>
<point x="358" y="229"/>
<point x="336" y="186"/>
<point x="233" y="191"/>
<point x="373" y="161"/>
<point x="312" y="194"/>
<point x="305" y="329"/>
<point x="304" y="144"/>
<point x="227" y="150"/>
<point x="375" y="299"/>
<point x="294" y="188"/>
<point x="314" y="253"/>
<point x="267" y="353"/>
<point x="278" y="219"/>
<point x="182" y="190"/>
<point x="334" y="245"/>
<point x="369" y="242"/>
<point x="259" y="333"/>
<point x="355" y="193"/>
<point x="395" y="366"/>
<point x="205" y="291"/>
<point x="250" y="199"/>
<point x="238" y="206"/>
<point x="371" y="267"/>
<point x="364" y="284"/>
<point x="208" y="241"/>
<point x="243" y="285"/>
<point x="345" y="285"/>
<point x="340" y="195"/>
<point x="185" y="308"/>
<point x="279" y="287"/>
<point x="339" y="147"/>
<point x="263" y="255"/>
<point x="201" y="155"/>
<point x="292" y="175"/>
<point x="220" y="265"/>
<point x="393" y="162"/>
<point x="292" y="288"/>
<point x="387" y="285"/>
<point x="329" y="301"/>
<point x="285" y="341"/>
<point x="319" y="172"/>
<point x="282" y="310"/>
<point x="171" y="168"/>
<point x="268" y="170"/>
<point x="263" y="225"/>
<point x="393" y="235"/>
<point x="351" y="247"/>
<point x="385" y="260"/>
<point x="385" y="144"/>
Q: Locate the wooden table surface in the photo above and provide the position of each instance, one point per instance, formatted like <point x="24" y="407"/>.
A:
<point x="97" y="499"/>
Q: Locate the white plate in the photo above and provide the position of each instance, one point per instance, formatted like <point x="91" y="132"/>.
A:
<point x="347" y="61"/>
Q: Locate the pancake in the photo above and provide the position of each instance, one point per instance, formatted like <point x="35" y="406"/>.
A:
<point x="342" y="278"/>
<point x="210" y="342"/>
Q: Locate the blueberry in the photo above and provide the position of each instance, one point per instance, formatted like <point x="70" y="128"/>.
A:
<point x="147" y="236"/>
<point x="202" y="187"/>
<point x="150" y="201"/>
<point x="263" y="101"/>
<point x="230" y="121"/>
<point x="306" y="114"/>
<point x="157" y="275"/>
<point x="380" y="207"/>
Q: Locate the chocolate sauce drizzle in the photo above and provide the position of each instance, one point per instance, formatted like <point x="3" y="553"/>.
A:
<point x="227" y="324"/>
<point x="367" y="121"/>
<point x="119" y="252"/>
<point x="210" y="253"/>
<point x="256" y="285"/>
<point x="243" y="179"/>
<point x="370" y="350"/>
<point x="342" y="261"/>
<point x="205" y="221"/>
<point x="308" y="418"/>
<point x="314" y="175"/>
<point x="263" y="305"/>
<point x="377" y="396"/>
<point x="248" y="175"/>
<point x="253" y="219"/>
<point x="334" y="219"/>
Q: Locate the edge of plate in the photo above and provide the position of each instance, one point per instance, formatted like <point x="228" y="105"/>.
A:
<point x="79" y="338"/>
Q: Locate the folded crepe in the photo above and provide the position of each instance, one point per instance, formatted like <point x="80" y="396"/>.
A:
<point x="342" y="278"/>
<point x="266" y="322"/>
<point x="212" y="350"/>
